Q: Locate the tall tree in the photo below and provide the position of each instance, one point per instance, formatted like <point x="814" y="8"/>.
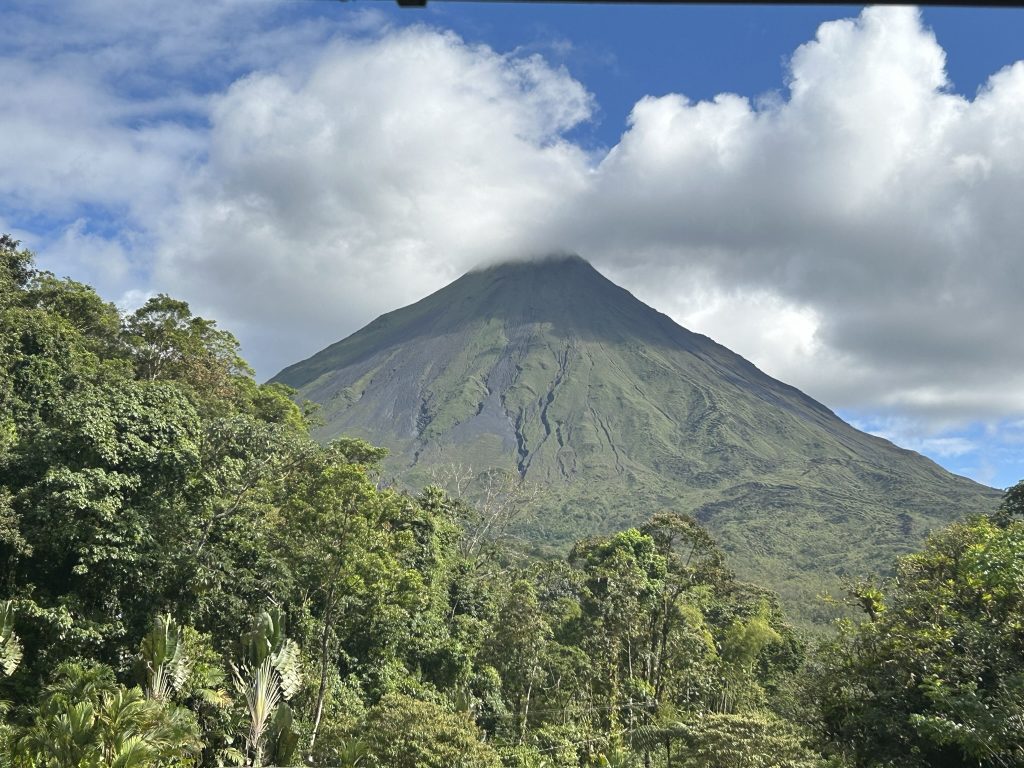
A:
<point x="935" y="676"/>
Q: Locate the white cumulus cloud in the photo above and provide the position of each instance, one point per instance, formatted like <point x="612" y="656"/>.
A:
<point x="876" y="204"/>
<point x="389" y="168"/>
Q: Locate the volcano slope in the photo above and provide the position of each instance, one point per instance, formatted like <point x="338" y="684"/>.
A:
<point x="548" y="369"/>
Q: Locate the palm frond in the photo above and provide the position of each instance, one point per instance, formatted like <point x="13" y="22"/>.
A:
<point x="288" y="663"/>
<point x="162" y="661"/>
<point x="262" y="693"/>
<point x="10" y="645"/>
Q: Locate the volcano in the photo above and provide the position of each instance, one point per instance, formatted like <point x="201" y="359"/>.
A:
<point x="549" y="370"/>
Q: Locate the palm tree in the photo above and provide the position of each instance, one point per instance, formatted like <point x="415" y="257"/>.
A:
<point x="269" y="675"/>
<point x="86" y="719"/>
<point x="351" y="753"/>
<point x="162" y="662"/>
<point x="171" y="665"/>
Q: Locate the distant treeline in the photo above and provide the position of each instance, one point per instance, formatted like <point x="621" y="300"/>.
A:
<point x="191" y="580"/>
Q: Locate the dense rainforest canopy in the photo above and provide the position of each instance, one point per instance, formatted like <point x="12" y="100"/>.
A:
<point x="191" y="580"/>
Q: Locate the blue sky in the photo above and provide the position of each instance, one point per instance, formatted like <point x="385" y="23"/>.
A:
<point x="831" y="191"/>
<point x="621" y="52"/>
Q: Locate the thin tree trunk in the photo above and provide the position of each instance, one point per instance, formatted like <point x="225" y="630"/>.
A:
<point x="325" y="640"/>
<point x="526" y="713"/>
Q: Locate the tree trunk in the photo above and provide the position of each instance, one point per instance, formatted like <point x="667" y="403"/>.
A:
<point x="526" y="713"/>
<point x="321" y="693"/>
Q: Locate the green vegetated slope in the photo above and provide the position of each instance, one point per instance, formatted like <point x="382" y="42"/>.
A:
<point x="549" y="369"/>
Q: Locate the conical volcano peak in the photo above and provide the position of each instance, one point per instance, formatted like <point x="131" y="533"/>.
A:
<point x="553" y="272"/>
<point x="564" y="293"/>
<point x="561" y="296"/>
<point x="552" y="262"/>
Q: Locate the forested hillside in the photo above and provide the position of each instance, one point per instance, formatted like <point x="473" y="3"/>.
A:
<point x="191" y="580"/>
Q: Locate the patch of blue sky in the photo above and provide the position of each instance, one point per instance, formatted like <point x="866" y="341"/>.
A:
<point x="91" y="219"/>
<point x="991" y="453"/>
<point x="107" y="222"/>
<point x="978" y="42"/>
<point x="622" y="52"/>
<point x="28" y="219"/>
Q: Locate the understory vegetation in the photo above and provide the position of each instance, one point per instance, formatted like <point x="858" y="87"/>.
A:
<point x="191" y="580"/>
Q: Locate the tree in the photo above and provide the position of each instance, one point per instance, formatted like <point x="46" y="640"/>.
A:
<point x="162" y="662"/>
<point x="1012" y="505"/>
<point x="269" y="675"/>
<point x="517" y="649"/>
<point x="678" y="633"/>
<point x="176" y="664"/>
<point x="166" y="341"/>
<point x="748" y="740"/>
<point x="402" y="732"/>
<point x="486" y="504"/>
<point x="106" y="467"/>
<point x="16" y="269"/>
<point x="624" y="577"/>
<point x="345" y="542"/>
<point x="84" y="719"/>
<point x="742" y="645"/>
<point x="10" y="646"/>
<point x="937" y="677"/>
